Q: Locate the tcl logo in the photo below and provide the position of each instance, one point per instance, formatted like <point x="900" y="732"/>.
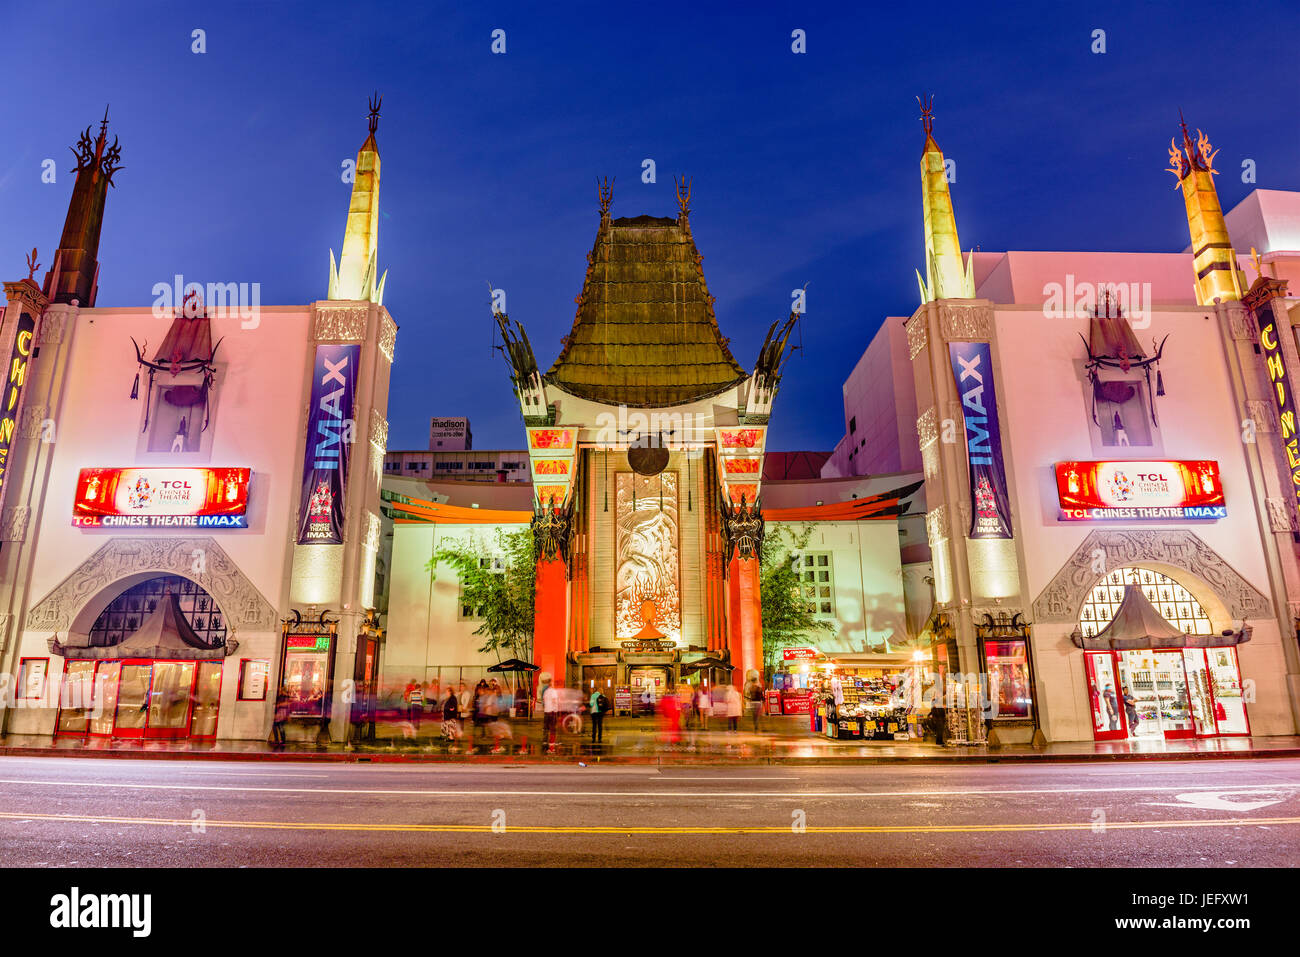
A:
<point x="1151" y="477"/>
<point x="175" y="484"/>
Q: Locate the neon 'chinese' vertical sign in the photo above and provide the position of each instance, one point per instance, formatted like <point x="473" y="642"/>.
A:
<point x="15" y="376"/>
<point x="1275" y="366"/>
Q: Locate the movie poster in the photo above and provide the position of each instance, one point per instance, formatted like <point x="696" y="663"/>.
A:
<point x="990" y="512"/>
<point x="330" y="430"/>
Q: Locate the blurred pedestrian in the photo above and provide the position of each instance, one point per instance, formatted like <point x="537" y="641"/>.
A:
<point x="599" y="706"/>
<point x="731" y="702"/>
<point x="703" y="706"/>
<point x="754" y="699"/>
<point x="550" y="712"/>
<point x="671" y="716"/>
<point x="279" y="718"/>
<point x="413" y="696"/>
<point x="464" y="701"/>
<point x="451" y="729"/>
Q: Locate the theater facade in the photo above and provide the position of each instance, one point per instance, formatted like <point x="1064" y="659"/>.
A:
<point x="1109" y="450"/>
<point x="190" y="491"/>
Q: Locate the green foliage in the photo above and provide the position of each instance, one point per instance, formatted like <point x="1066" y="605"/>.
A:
<point x="787" y="619"/>
<point x="499" y="583"/>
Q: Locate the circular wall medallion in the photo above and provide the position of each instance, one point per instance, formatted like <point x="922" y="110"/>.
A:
<point x="647" y="459"/>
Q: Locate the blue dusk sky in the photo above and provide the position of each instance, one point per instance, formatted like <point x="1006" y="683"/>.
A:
<point x="805" y="166"/>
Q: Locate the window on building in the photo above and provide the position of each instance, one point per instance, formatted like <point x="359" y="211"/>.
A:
<point x="1171" y="599"/>
<point x="816" y="582"/>
<point x="127" y="611"/>
<point x="853" y="424"/>
<point x="497" y="565"/>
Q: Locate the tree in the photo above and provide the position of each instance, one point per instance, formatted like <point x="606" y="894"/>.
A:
<point x="499" y="584"/>
<point x="788" y="619"/>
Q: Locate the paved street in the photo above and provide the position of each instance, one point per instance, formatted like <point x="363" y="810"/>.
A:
<point x="115" y="812"/>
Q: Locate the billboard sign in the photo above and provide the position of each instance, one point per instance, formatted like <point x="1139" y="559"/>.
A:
<point x="1115" y="491"/>
<point x="198" y="497"/>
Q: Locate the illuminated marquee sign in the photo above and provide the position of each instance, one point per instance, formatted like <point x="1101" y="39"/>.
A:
<point x="1275" y="366"/>
<point x="798" y="654"/>
<point x="1114" y="491"/>
<point x="162" y="498"/>
<point x="15" y="376"/>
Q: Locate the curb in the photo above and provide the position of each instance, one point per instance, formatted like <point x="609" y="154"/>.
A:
<point x="355" y="757"/>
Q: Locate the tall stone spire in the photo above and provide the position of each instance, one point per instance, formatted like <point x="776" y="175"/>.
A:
<point x="945" y="275"/>
<point x="356" y="275"/>
<point x="75" y="270"/>
<point x="1217" y="274"/>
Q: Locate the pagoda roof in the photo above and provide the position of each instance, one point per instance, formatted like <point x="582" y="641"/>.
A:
<point x="165" y="633"/>
<point x="645" y="334"/>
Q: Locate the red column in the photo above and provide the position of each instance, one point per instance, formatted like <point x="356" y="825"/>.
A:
<point x="751" y="619"/>
<point x="549" y="606"/>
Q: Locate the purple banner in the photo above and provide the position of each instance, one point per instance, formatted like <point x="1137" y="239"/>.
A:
<point x="990" y="506"/>
<point x="328" y="450"/>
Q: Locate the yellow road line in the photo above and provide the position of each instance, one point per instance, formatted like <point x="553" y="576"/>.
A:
<point x="609" y="829"/>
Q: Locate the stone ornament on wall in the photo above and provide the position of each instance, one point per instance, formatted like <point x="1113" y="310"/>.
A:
<point x="1064" y="595"/>
<point x="1263" y="414"/>
<point x="936" y="525"/>
<point x="1242" y="329"/>
<point x="371" y="539"/>
<point x="5" y="621"/>
<point x="965" y="322"/>
<point x="378" y="429"/>
<point x="916" y="335"/>
<point x="340" y="323"/>
<point x="29" y="424"/>
<point x="51" y="328"/>
<point x="13" y="523"/>
<point x="1281" y="514"/>
<point x="243" y="605"/>
<point x="387" y="334"/>
<point x="927" y="426"/>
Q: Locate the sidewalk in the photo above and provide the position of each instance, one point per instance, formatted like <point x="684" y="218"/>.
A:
<point x="785" y="740"/>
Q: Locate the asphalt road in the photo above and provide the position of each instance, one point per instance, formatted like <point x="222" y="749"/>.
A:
<point x="121" y="813"/>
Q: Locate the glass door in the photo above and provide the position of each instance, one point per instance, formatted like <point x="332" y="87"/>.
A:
<point x="133" y="699"/>
<point x="1137" y="695"/>
<point x="1171" y="689"/>
<point x="169" y="699"/>
<point x="76" y="697"/>
<point x="207" y="700"/>
<point x="1198" y="688"/>
<point x="106" y="681"/>
<point x="1105" y="696"/>
<point x="1225" y="684"/>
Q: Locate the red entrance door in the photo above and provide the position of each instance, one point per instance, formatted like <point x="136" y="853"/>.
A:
<point x="1105" y="696"/>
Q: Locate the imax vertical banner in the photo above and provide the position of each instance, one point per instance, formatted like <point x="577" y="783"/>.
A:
<point x="990" y="512"/>
<point x="329" y="444"/>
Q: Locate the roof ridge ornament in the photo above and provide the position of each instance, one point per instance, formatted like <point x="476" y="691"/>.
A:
<point x="605" y="188"/>
<point x="33" y="265"/>
<point x="927" y="113"/>
<point x="683" y="184"/>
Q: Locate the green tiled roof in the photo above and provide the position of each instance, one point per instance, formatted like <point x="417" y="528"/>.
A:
<point x="645" y="334"/>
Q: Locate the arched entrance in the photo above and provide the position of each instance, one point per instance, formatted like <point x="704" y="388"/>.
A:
<point x="149" y="665"/>
<point x="1156" y="667"/>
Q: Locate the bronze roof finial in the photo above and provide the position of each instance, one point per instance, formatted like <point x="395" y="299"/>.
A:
<point x="32" y="265"/>
<point x="375" y="102"/>
<point x="605" y="187"/>
<point x="683" y="197"/>
<point x="927" y="112"/>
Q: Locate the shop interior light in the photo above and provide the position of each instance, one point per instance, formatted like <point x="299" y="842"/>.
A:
<point x="918" y="655"/>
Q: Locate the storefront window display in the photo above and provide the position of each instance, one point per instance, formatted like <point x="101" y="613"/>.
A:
<point x="306" y="673"/>
<point x="140" y="698"/>
<point x="1165" y="694"/>
<point x="1007" y="666"/>
<point x="1159" y="693"/>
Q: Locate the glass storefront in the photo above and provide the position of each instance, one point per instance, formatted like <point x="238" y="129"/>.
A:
<point x="140" y="698"/>
<point x="1165" y="694"/>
